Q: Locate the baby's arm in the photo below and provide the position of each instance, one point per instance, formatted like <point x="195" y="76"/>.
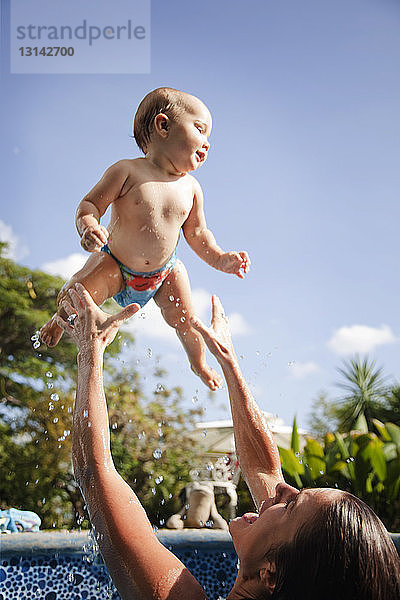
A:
<point x="202" y="240"/>
<point x="95" y="203"/>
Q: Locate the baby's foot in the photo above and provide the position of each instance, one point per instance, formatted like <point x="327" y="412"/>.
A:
<point x="208" y="376"/>
<point x="51" y="333"/>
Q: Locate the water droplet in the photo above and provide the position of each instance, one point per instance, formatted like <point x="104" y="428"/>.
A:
<point x="157" y="453"/>
<point x="149" y="352"/>
<point x="89" y="424"/>
<point x="85" y="413"/>
<point x="160" y="388"/>
<point x="51" y="406"/>
<point x="55" y="397"/>
<point x="182" y="319"/>
<point x="36" y="345"/>
<point x="210" y="467"/>
<point x="50" y="386"/>
<point x="159" y="479"/>
<point x="55" y="420"/>
<point x="195" y="399"/>
<point x="204" y="432"/>
<point x="43" y="500"/>
<point x="35" y="337"/>
<point x="114" y="426"/>
<point x="153" y="489"/>
<point x="49" y="374"/>
<point x="171" y="298"/>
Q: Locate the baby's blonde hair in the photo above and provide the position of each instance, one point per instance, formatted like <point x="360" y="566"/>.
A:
<point x="165" y="100"/>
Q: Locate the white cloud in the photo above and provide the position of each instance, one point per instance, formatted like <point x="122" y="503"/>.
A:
<point x="238" y="324"/>
<point x="149" y="321"/>
<point x="66" y="267"/>
<point x="16" y="249"/>
<point x="360" y="339"/>
<point x="300" y="370"/>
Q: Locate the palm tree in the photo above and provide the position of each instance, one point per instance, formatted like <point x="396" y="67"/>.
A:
<point x="392" y="410"/>
<point x="365" y="394"/>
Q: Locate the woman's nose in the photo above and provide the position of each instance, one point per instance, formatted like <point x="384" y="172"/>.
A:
<point x="284" y="491"/>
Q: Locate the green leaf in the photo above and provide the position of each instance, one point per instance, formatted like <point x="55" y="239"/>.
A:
<point x="374" y="454"/>
<point x="361" y="423"/>
<point x="394" y="432"/>
<point x="345" y="455"/>
<point x="383" y="432"/>
<point x="290" y="462"/>
<point x="314" y="457"/>
<point x="295" y="441"/>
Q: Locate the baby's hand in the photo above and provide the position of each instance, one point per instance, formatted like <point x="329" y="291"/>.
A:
<point x="237" y="263"/>
<point x="94" y="237"/>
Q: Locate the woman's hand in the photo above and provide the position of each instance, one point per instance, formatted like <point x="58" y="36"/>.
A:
<point x="87" y="324"/>
<point x="218" y="336"/>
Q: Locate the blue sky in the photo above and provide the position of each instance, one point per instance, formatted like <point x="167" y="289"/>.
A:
<point x="303" y="174"/>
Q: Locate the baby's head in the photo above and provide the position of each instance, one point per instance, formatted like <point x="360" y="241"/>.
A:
<point x="164" y="108"/>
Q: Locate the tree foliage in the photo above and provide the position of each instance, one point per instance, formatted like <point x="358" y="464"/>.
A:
<point x="367" y="396"/>
<point x="149" y="442"/>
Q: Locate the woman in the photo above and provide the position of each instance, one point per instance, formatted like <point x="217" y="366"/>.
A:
<point x="314" y="544"/>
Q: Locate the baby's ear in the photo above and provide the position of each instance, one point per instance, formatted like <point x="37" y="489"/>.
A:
<point x="161" y="124"/>
<point x="268" y="576"/>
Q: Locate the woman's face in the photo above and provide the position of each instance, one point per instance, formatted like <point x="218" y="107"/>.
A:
<point x="278" y="520"/>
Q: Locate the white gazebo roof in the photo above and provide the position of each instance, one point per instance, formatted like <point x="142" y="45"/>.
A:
<point x="216" y="437"/>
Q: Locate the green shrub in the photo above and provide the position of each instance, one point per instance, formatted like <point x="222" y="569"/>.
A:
<point x="365" y="463"/>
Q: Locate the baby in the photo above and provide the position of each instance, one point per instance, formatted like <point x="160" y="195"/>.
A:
<point x="152" y="199"/>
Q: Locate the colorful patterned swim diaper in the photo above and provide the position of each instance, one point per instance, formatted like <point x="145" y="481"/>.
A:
<point x="140" y="287"/>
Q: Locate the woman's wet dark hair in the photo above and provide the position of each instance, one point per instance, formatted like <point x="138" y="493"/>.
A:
<point x="345" y="554"/>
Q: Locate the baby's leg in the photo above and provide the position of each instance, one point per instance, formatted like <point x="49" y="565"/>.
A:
<point x="175" y="301"/>
<point x="101" y="277"/>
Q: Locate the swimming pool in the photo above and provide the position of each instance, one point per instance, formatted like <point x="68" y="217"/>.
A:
<point x="66" y="566"/>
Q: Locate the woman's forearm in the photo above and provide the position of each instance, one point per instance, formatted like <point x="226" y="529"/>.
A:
<point x="255" y="446"/>
<point x="91" y="434"/>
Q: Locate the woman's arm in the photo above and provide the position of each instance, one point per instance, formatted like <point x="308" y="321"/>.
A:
<point x="138" y="563"/>
<point x="255" y="447"/>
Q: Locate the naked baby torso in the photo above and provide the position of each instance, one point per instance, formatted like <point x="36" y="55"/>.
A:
<point x="147" y="217"/>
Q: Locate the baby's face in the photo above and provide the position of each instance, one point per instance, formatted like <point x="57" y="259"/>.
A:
<point x="187" y="144"/>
